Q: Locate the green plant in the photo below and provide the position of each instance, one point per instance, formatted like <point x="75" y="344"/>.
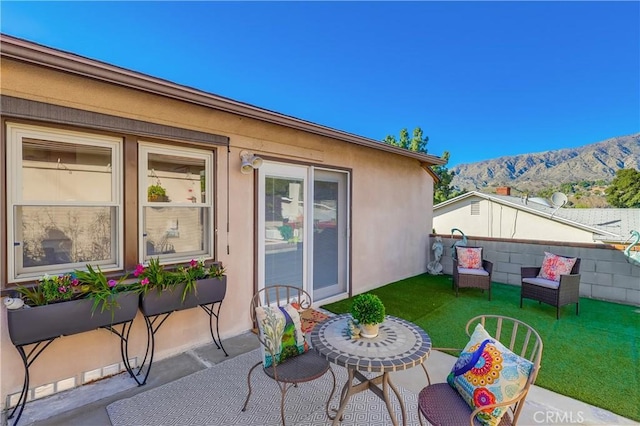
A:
<point x="89" y="284"/>
<point x="156" y="191"/>
<point x="100" y="289"/>
<point x="197" y="270"/>
<point x="52" y="289"/>
<point x="286" y="231"/>
<point x="367" y="308"/>
<point x="154" y="276"/>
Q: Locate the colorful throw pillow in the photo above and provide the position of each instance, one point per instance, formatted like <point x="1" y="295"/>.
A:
<point x="309" y="317"/>
<point x="487" y="373"/>
<point x="469" y="258"/>
<point x="553" y="266"/>
<point x="281" y="331"/>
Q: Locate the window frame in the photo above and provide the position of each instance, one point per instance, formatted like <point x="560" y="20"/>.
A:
<point x="15" y="135"/>
<point x="208" y="155"/>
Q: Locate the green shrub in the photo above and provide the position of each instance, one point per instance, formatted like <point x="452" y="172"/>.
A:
<point x="367" y="308"/>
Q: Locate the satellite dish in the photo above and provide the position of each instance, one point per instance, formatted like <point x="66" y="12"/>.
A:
<point x="558" y="199"/>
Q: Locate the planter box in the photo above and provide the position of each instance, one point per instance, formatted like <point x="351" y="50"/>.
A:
<point x="209" y="290"/>
<point x="38" y="323"/>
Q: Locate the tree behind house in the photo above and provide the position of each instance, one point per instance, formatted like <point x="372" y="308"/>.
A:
<point x="417" y="143"/>
<point x="442" y="189"/>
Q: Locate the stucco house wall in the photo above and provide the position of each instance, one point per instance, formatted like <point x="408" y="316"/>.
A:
<point x="391" y="214"/>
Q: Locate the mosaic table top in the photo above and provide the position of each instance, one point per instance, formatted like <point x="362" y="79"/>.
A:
<point x="399" y="345"/>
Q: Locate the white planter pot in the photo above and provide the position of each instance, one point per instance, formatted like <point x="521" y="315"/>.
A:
<point x="369" y="331"/>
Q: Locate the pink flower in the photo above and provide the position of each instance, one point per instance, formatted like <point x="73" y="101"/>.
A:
<point x="139" y="270"/>
<point x="144" y="281"/>
<point x="75" y="282"/>
<point x="193" y="263"/>
<point x="112" y="283"/>
<point x="62" y="289"/>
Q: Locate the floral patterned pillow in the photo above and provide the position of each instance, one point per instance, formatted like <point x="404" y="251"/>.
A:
<point x="281" y="331"/>
<point x="488" y="373"/>
<point x="553" y="266"/>
<point x="469" y="258"/>
<point x="309" y="317"/>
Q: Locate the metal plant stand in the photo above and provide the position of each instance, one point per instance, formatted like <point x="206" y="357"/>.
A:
<point x="155" y="320"/>
<point x="28" y="358"/>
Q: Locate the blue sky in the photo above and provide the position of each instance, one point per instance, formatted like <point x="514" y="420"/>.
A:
<point x="482" y="79"/>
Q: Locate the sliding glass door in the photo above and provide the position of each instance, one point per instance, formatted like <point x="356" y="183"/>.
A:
<point x="283" y="191"/>
<point x="329" y="266"/>
<point x="303" y="243"/>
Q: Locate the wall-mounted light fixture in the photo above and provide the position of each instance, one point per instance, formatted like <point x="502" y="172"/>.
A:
<point x="249" y="162"/>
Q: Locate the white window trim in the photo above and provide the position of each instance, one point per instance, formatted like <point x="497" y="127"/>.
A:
<point x="145" y="148"/>
<point x="16" y="132"/>
<point x="307" y="173"/>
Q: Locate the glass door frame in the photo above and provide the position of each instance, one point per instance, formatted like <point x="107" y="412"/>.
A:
<point x="305" y="172"/>
<point x="344" y="231"/>
<point x="283" y="170"/>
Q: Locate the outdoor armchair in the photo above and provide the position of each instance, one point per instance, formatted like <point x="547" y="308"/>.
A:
<point x="490" y="379"/>
<point x="286" y="356"/>
<point x="471" y="270"/>
<point x="552" y="286"/>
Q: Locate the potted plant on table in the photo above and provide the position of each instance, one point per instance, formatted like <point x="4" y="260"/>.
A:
<point x="368" y="311"/>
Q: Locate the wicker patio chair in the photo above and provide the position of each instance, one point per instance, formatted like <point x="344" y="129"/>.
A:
<point x="564" y="292"/>
<point x="441" y="404"/>
<point x="299" y="369"/>
<point x="476" y="278"/>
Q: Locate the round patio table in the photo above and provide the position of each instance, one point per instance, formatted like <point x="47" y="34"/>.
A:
<point x="399" y="345"/>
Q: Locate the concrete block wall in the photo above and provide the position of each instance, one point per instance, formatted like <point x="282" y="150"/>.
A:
<point x="605" y="272"/>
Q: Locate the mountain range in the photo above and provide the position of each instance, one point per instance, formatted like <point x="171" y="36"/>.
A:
<point x="532" y="172"/>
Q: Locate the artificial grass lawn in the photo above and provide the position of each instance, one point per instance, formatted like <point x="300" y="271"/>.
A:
<point x="593" y="357"/>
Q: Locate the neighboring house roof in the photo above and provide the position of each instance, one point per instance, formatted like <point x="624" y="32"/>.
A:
<point x="613" y="225"/>
<point x="26" y="51"/>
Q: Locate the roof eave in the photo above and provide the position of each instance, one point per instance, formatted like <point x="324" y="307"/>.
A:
<point x="455" y="199"/>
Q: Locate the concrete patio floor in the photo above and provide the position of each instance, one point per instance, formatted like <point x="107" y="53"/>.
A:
<point x="86" y="405"/>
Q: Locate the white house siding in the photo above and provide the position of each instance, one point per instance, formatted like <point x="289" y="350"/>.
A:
<point x="496" y="220"/>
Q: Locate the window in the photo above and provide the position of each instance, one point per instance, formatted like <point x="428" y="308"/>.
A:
<point x="64" y="201"/>
<point x="475" y="208"/>
<point x="176" y="203"/>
